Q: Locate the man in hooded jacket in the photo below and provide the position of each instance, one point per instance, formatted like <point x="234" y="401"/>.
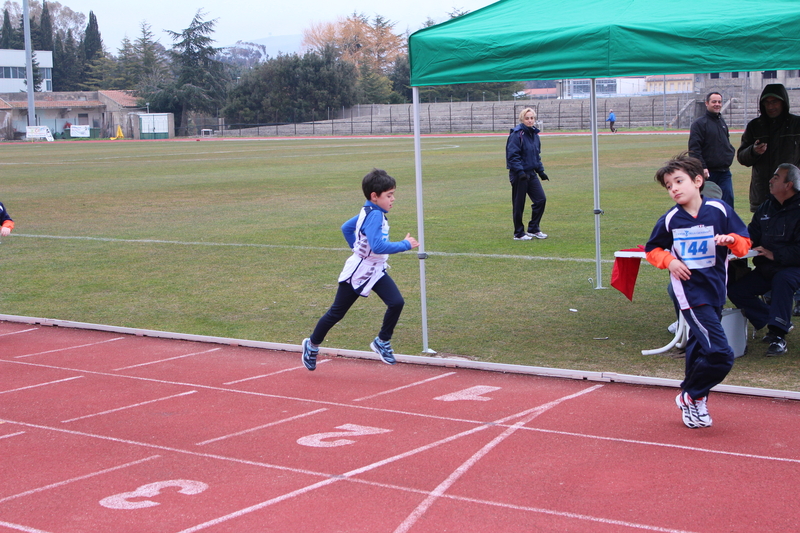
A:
<point x="769" y="140"/>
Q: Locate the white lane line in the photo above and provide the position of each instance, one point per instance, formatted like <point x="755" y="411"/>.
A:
<point x="390" y="391"/>
<point x="129" y="406"/>
<point x="19" y="527"/>
<point x="369" y="467"/>
<point x="70" y="348"/>
<point x="443" y="487"/>
<point x="293" y="369"/>
<point x="12" y="434"/>
<point x="667" y="445"/>
<point x="312" y="248"/>
<point x="41" y="384"/>
<point x="79" y="478"/>
<point x="167" y="359"/>
<point x="20" y="331"/>
<point x="262" y="427"/>
<point x="169" y="448"/>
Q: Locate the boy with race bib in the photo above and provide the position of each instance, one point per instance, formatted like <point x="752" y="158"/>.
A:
<point x="692" y="241"/>
<point x="367" y="234"/>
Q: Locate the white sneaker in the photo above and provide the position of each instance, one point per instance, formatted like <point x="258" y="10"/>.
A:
<point x="672" y="328"/>
<point x="525" y="237"/>
<point x="538" y="235"/>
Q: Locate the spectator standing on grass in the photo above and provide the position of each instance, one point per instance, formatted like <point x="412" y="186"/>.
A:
<point x="769" y="140"/>
<point x="709" y="141"/>
<point x="692" y="240"/>
<point x="6" y="224"/>
<point x="524" y="163"/>
<point x="612" y="118"/>
<point x="367" y="234"/>
<point x="775" y="231"/>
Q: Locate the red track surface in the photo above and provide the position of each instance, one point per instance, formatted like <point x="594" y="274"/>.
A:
<point x="104" y="432"/>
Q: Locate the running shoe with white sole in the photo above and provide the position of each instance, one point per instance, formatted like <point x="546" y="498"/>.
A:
<point x="384" y="349"/>
<point x="695" y="413"/>
<point x="538" y="235"/>
<point x="309" y="355"/>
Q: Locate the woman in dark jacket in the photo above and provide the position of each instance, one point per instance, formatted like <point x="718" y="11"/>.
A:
<point x="524" y="163"/>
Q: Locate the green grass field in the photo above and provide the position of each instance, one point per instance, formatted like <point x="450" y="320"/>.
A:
<point x="241" y="239"/>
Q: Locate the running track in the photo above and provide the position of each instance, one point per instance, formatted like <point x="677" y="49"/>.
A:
<point x="107" y="432"/>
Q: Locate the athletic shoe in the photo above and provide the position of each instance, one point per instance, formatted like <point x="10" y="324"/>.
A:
<point x="538" y="235"/>
<point x="769" y="338"/>
<point x="672" y="328"/>
<point x="776" y="347"/>
<point x="525" y="237"/>
<point x="384" y="349"/>
<point x="695" y="413"/>
<point x="702" y="412"/>
<point x="309" y="355"/>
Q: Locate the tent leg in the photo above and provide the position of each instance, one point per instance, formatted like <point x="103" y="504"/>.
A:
<point x="596" y="182"/>
<point x="422" y="255"/>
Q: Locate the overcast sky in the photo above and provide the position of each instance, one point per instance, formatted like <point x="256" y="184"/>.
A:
<point x="249" y="20"/>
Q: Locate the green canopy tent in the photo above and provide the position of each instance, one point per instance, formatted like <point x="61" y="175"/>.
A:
<point x="519" y="40"/>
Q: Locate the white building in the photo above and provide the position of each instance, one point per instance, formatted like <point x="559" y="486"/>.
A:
<point x="12" y="70"/>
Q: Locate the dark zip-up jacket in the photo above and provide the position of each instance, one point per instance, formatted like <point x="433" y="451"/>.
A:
<point x="776" y="227"/>
<point x="709" y="141"/>
<point x="523" y="150"/>
<point x="782" y="135"/>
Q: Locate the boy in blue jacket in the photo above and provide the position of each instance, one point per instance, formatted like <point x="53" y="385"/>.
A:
<point x="367" y="234"/>
<point x="692" y="241"/>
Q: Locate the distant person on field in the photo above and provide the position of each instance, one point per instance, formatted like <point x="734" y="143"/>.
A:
<point x="612" y="118"/>
<point x="692" y="240"/>
<point x="524" y="162"/>
<point x="367" y="234"/>
<point x="775" y="230"/>
<point x="709" y="141"/>
<point x="6" y="224"/>
<point x="769" y="140"/>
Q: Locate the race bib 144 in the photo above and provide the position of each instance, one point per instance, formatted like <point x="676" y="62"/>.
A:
<point x="695" y="246"/>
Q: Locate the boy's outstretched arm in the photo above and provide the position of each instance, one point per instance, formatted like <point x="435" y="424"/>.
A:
<point x="661" y="258"/>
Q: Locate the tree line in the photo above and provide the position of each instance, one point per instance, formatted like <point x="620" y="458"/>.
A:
<point x="353" y="60"/>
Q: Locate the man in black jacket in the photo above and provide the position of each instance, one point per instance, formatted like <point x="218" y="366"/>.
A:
<point x="775" y="232"/>
<point x="769" y="140"/>
<point x="709" y="141"/>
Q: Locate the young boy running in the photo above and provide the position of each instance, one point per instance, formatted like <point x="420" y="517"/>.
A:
<point x="368" y="235"/>
<point x="692" y="240"/>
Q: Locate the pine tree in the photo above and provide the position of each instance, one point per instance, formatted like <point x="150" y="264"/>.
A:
<point x="7" y="33"/>
<point x="46" y="29"/>
<point x="92" y="42"/>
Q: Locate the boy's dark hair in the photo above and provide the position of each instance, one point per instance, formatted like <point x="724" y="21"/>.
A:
<point x="377" y="181"/>
<point x="683" y="161"/>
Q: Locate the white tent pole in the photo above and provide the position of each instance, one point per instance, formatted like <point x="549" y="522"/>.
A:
<point x="26" y="26"/>
<point x="420" y="222"/>
<point x="596" y="181"/>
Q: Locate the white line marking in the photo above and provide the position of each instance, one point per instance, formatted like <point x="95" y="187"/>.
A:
<point x="372" y="466"/>
<point x="79" y="478"/>
<point x="69" y="348"/>
<point x="41" y="384"/>
<point x="667" y="445"/>
<point x="21" y="528"/>
<point x="417" y="513"/>
<point x="293" y="369"/>
<point x="129" y="406"/>
<point x="167" y="359"/>
<point x="313" y="248"/>
<point x="20" y="331"/>
<point x="170" y="449"/>
<point x="390" y="391"/>
<point x="12" y="434"/>
<point x="262" y="427"/>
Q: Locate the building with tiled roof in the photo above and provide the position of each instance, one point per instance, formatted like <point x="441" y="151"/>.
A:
<point x="102" y="111"/>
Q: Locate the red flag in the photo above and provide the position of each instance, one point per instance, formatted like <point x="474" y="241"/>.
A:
<point x="625" y="272"/>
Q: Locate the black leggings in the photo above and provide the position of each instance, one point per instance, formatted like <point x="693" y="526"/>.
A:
<point x="385" y="288"/>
